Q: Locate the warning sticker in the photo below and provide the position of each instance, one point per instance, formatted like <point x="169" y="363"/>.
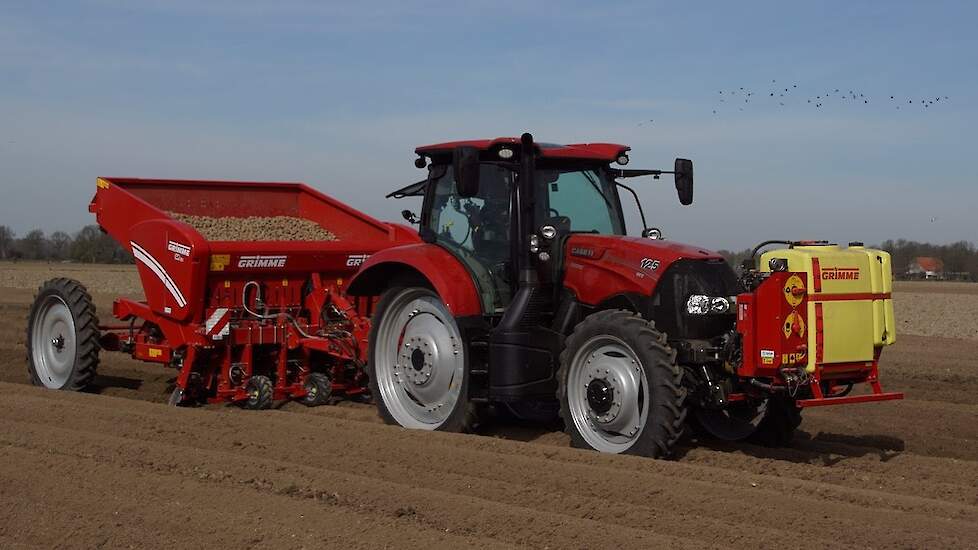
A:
<point x="767" y="356"/>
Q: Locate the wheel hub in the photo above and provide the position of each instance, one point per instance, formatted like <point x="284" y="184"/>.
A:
<point x="416" y="360"/>
<point x="600" y="395"/>
<point x="58" y="343"/>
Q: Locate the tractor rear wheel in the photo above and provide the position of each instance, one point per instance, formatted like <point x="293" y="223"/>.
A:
<point x="418" y="369"/>
<point x="619" y="386"/>
<point x="62" y="336"/>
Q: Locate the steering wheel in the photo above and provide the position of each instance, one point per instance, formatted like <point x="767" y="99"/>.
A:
<point x="554" y="213"/>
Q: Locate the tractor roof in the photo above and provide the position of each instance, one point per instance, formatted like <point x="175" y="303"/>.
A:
<point x="606" y="152"/>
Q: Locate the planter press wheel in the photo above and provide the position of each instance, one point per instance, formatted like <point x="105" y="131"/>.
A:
<point x="319" y="389"/>
<point x="260" y="390"/>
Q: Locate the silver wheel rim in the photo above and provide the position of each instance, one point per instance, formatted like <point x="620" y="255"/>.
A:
<point x="53" y="343"/>
<point x="614" y="425"/>
<point x="419" y="361"/>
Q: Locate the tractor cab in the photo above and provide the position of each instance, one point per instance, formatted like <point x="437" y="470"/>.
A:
<point x="506" y="206"/>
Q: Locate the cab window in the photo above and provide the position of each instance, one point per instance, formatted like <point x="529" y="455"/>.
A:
<point x="586" y="197"/>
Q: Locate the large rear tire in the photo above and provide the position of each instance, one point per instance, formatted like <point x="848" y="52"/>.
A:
<point x="620" y="388"/>
<point x="418" y="367"/>
<point x="62" y="336"/>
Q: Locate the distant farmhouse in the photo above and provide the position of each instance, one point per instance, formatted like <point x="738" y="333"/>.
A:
<point x="925" y="267"/>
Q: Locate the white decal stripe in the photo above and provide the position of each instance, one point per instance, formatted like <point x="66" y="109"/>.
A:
<point x="166" y="276"/>
<point x="149" y="261"/>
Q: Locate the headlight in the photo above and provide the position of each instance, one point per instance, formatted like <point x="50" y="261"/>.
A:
<point x="534" y="244"/>
<point x="505" y="153"/>
<point x="719" y="305"/>
<point x="699" y="304"/>
<point x="548" y="232"/>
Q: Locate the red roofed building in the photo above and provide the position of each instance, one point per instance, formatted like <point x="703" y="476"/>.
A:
<point x="926" y="267"/>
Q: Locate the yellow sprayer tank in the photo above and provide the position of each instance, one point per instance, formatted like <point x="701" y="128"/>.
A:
<point x="850" y="306"/>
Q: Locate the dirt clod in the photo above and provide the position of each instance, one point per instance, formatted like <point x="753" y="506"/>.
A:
<point x="256" y="228"/>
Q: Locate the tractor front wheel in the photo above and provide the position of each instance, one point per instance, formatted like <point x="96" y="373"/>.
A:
<point x="619" y="386"/>
<point x="62" y="336"/>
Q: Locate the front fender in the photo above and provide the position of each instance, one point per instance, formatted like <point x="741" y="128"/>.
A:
<point x="419" y="263"/>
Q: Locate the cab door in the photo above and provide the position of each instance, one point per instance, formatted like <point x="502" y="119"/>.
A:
<point x="476" y="230"/>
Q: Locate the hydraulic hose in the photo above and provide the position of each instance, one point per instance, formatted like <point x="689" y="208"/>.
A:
<point x="244" y="305"/>
<point x="757" y="248"/>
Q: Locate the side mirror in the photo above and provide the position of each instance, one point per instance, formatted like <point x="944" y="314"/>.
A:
<point x="465" y="165"/>
<point x="684" y="181"/>
<point x="409" y="216"/>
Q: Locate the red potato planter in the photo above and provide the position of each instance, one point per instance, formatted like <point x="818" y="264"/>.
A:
<point x="518" y="291"/>
<point x="246" y="322"/>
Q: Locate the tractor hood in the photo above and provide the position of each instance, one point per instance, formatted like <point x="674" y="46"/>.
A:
<point x="599" y="267"/>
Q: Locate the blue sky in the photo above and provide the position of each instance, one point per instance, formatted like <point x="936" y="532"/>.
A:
<point x="338" y="95"/>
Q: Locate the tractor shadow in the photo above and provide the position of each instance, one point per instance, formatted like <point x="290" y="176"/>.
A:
<point x="503" y="424"/>
<point x="821" y="448"/>
<point x="105" y="382"/>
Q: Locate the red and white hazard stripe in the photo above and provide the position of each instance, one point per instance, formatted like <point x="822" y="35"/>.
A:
<point x="218" y="324"/>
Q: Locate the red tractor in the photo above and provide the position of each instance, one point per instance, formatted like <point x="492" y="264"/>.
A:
<point x="526" y="292"/>
<point x="519" y="291"/>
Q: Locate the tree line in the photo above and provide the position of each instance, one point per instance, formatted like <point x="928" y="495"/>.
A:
<point x="960" y="259"/>
<point x="89" y="245"/>
<point x="92" y="245"/>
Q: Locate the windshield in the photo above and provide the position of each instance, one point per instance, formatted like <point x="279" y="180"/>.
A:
<point x="588" y="198"/>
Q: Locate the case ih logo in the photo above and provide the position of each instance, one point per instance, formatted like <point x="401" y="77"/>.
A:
<point x="840" y="273"/>
<point x="583" y="252"/>
<point x="262" y="261"/>
<point x="356" y="260"/>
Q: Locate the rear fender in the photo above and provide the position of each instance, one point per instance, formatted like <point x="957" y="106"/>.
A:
<point x="420" y="263"/>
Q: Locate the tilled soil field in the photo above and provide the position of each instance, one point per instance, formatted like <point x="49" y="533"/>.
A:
<point x="117" y="468"/>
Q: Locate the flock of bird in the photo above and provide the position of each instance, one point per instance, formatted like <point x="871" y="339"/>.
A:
<point x="789" y="94"/>
<point x="785" y="94"/>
